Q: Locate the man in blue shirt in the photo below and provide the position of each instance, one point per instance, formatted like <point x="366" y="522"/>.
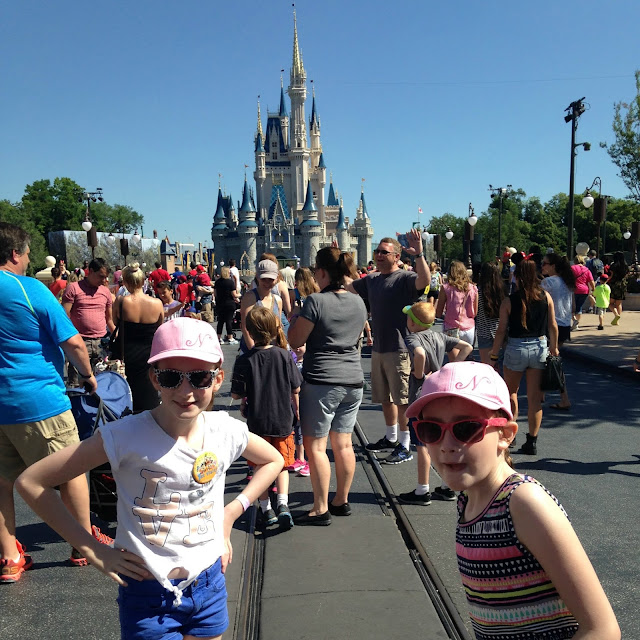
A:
<point x="34" y="409"/>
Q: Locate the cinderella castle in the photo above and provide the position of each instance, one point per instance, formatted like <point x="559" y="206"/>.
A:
<point x="288" y="214"/>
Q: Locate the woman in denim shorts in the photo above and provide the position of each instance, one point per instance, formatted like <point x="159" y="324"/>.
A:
<point x="527" y="316"/>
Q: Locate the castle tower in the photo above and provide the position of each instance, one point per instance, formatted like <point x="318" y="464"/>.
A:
<point x="284" y="116"/>
<point x="260" y="173"/>
<point x="219" y="230"/>
<point x="342" y="232"/>
<point x="247" y="226"/>
<point x="311" y="230"/>
<point x="363" y="231"/>
<point x="298" y="149"/>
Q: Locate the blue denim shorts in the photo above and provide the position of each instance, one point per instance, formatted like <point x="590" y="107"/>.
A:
<point x="147" y="611"/>
<point x="325" y="408"/>
<point x="526" y="353"/>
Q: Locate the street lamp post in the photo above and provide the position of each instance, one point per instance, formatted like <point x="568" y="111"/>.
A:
<point x="574" y="111"/>
<point x="501" y="192"/>
<point x="599" y="209"/>
<point x="469" y="224"/>
<point x="92" y="237"/>
<point x="124" y="244"/>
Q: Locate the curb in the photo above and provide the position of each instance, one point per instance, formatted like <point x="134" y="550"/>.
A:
<point x="625" y="372"/>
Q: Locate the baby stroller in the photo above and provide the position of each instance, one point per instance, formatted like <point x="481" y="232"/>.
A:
<point x="236" y="324"/>
<point x="111" y="402"/>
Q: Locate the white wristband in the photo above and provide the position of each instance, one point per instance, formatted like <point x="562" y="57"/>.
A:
<point x="244" y="501"/>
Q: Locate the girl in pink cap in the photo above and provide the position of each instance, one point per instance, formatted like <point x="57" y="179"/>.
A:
<point x="172" y="544"/>
<point x="523" y="568"/>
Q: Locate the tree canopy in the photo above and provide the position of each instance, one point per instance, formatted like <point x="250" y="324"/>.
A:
<point x="625" y="151"/>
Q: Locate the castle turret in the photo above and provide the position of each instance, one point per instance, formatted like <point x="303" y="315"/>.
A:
<point x="247" y="225"/>
<point x="311" y="229"/>
<point x="342" y="232"/>
<point x="363" y="231"/>
<point x="298" y="149"/>
<point x="219" y="230"/>
<point x="260" y="174"/>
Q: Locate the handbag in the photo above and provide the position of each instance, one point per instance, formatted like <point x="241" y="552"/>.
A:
<point x="553" y="375"/>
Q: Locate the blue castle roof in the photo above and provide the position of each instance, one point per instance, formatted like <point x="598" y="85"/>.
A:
<point x="364" y="205"/>
<point x="247" y="205"/>
<point x="341" y="221"/>
<point x="283" y="106"/>
<point x="332" y="201"/>
<point x="321" y="164"/>
<point x="309" y="204"/>
<point x="274" y="128"/>
<point x="259" y="146"/>
<point x="278" y="202"/>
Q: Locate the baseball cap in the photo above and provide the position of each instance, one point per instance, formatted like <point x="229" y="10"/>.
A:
<point x="603" y="277"/>
<point x="186" y="338"/>
<point x="473" y="381"/>
<point x="267" y="269"/>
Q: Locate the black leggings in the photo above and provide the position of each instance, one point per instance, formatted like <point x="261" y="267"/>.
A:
<point x="225" y="316"/>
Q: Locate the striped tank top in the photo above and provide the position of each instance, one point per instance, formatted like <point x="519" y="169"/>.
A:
<point x="508" y="592"/>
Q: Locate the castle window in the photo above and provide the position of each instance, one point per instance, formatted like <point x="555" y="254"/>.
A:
<point x="274" y="144"/>
<point x="274" y="155"/>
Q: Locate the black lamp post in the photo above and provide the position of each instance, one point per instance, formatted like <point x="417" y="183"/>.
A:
<point x="501" y="192"/>
<point x="124" y="244"/>
<point x="92" y="236"/>
<point x="469" y="224"/>
<point x="599" y="209"/>
<point x="574" y="111"/>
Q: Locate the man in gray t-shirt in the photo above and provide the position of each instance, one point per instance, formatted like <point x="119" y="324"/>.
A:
<point x="389" y="290"/>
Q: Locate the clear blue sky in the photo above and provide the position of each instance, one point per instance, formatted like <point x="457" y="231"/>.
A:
<point x="428" y="101"/>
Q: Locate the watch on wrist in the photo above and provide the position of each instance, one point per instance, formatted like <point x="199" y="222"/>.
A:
<point x="85" y="377"/>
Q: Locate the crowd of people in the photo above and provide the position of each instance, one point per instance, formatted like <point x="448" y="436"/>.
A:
<point x="299" y="377"/>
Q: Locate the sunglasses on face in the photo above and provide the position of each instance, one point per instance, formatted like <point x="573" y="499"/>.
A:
<point x="464" y="431"/>
<point x="382" y="252"/>
<point x="172" y="378"/>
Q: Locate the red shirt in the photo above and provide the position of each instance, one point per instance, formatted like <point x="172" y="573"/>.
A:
<point x="185" y="292"/>
<point x="158" y="276"/>
<point x="89" y="308"/>
<point x="57" y="286"/>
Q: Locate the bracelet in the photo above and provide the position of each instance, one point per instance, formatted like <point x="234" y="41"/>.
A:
<point x="244" y="501"/>
<point x="85" y="377"/>
<point x="493" y="357"/>
<point x="419" y="255"/>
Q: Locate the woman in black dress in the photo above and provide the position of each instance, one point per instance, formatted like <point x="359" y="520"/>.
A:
<point x="138" y="316"/>
<point x="226" y="302"/>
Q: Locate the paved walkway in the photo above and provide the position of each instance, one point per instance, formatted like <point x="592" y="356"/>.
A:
<point x="613" y="348"/>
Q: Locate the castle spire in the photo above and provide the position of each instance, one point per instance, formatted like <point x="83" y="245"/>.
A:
<point x="297" y="68"/>
<point x="283" y="106"/>
<point x="259" y="120"/>
<point x="342" y="225"/>
<point x="314" y="116"/>
<point x="309" y="204"/>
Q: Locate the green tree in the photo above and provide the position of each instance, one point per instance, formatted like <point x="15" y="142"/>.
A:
<point x="54" y="207"/>
<point x="15" y="214"/>
<point x="451" y="249"/>
<point x="114" y="218"/>
<point x="625" y="151"/>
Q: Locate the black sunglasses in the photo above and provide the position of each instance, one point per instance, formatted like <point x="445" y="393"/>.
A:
<point x="465" y="431"/>
<point x="172" y="378"/>
<point x="383" y="252"/>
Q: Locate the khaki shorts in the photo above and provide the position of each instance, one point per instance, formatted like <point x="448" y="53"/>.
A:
<point x="390" y="377"/>
<point x="23" y="444"/>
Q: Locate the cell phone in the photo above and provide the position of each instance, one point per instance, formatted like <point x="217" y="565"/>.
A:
<point x="402" y="239"/>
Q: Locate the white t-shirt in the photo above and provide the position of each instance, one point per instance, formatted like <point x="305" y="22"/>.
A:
<point x="562" y="299"/>
<point x="235" y="274"/>
<point x="164" y="515"/>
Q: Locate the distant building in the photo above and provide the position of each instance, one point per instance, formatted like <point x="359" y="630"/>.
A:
<point x="287" y="213"/>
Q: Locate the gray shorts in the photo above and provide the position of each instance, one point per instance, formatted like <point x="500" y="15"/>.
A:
<point x="526" y="353"/>
<point x="325" y="408"/>
<point x="600" y="311"/>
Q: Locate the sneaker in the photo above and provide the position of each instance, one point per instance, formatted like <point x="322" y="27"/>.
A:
<point x="411" y="497"/>
<point x="77" y="559"/>
<point x="284" y="517"/>
<point x="296" y="466"/>
<point x="232" y="341"/>
<point x="304" y="470"/>
<point x="269" y="517"/>
<point x="600" y="327"/>
<point x="575" y="325"/>
<point x="444" y="493"/>
<point x="381" y="445"/>
<point x="615" y="321"/>
<point x="11" y="570"/>
<point x="398" y="455"/>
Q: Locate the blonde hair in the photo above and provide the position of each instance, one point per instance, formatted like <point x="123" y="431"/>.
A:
<point x="133" y="276"/>
<point x="306" y="282"/>
<point x="580" y="259"/>
<point x="262" y="325"/>
<point x="424" y="311"/>
<point x="225" y="272"/>
<point x="458" y="276"/>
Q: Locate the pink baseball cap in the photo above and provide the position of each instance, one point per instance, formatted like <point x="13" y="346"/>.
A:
<point x="186" y="338"/>
<point x="473" y="381"/>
